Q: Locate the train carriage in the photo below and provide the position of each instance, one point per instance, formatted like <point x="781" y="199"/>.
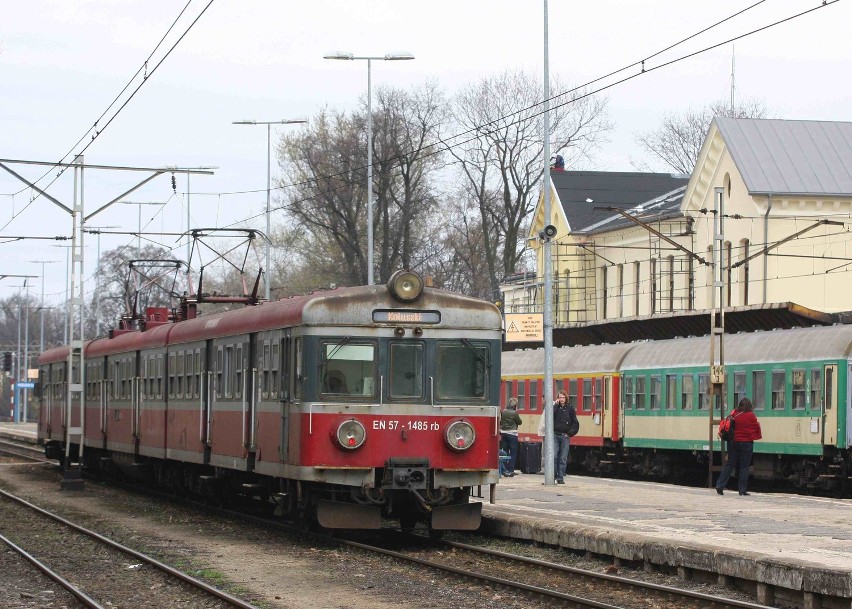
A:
<point x="590" y="377"/>
<point x="345" y="405"/>
<point x="797" y="380"/>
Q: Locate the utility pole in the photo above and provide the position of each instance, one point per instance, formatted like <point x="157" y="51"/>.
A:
<point x="717" y="328"/>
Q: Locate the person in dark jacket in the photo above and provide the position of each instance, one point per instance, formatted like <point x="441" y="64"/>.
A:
<point x="565" y="425"/>
<point x="509" y="422"/>
<point x="746" y="431"/>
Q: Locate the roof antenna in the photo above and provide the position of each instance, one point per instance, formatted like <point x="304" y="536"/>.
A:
<point x="733" y="72"/>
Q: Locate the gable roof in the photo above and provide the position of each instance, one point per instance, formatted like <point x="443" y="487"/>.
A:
<point x="810" y="158"/>
<point x="664" y="207"/>
<point x="620" y="189"/>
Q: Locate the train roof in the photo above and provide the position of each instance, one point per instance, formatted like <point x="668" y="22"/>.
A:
<point x="566" y="360"/>
<point x="339" y="307"/>
<point x="797" y="344"/>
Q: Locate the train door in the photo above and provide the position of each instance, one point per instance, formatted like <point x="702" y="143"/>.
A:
<point x="208" y="395"/>
<point x="829" y="411"/>
<point x="606" y="408"/>
<point x="250" y="393"/>
<point x="285" y="396"/>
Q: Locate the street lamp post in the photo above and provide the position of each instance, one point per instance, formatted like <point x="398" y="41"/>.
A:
<point x="269" y="124"/>
<point x="387" y="57"/>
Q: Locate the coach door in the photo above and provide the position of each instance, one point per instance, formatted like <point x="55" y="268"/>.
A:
<point x="208" y="394"/>
<point x="829" y="413"/>
<point x="285" y="396"/>
<point x="606" y="408"/>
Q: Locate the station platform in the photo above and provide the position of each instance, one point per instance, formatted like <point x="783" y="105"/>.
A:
<point x="788" y="550"/>
<point x="19" y="431"/>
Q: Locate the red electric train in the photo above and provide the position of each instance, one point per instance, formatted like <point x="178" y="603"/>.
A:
<point x="343" y="406"/>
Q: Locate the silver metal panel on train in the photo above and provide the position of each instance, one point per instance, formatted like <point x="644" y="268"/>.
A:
<point x="799" y="344"/>
<point x="567" y="360"/>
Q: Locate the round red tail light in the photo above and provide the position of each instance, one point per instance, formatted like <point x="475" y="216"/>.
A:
<point x="460" y="435"/>
<point x="351" y="434"/>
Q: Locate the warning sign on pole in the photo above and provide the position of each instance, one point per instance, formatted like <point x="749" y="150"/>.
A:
<point x="524" y="327"/>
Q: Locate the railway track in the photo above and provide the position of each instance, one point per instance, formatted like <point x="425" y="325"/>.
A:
<point x="557" y="584"/>
<point x="21" y="450"/>
<point x="104" y="573"/>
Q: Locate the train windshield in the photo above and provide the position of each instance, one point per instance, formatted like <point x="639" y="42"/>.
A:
<point x="406" y="370"/>
<point x="348" y="368"/>
<point x="461" y="370"/>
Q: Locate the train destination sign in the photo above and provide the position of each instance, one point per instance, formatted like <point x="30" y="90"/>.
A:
<point x="405" y="316"/>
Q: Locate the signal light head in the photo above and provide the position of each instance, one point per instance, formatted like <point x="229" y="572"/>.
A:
<point x="460" y="435"/>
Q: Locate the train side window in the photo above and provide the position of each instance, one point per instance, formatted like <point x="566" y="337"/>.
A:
<point x="559" y="386"/>
<point x="799" y="390"/>
<point x="179" y="374"/>
<point x="816" y="389"/>
<point x="160" y="375"/>
<point x="172" y="368"/>
<point x="758" y="389"/>
<point x="829" y="388"/>
<point x="228" y="371"/>
<point x="704" y="396"/>
<point x="739" y="388"/>
<point x="656" y="391"/>
<point x="273" y="375"/>
<point x="671" y="392"/>
<point x="406" y="370"/>
<point x="587" y="394"/>
<point x="264" y="366"/>
<point x="572" y="392"/>
<point x="198" y="373"/>
<point x="190" y="378"/>
<point x="239" y="365"/>
<point x="116" y="380"/>
<point x="597" y="402"/>
<point x="687" y="391"/>
<point x="285" y="368"/>
<point x="533" y="394"/>
<point x="522" y="390"/>
<point x="779" y="389"/>
<point x="640" y="392"/>
<point x="628" y="392"/>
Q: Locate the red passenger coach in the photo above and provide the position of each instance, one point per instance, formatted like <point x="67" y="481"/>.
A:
<point x="348" y="405"/>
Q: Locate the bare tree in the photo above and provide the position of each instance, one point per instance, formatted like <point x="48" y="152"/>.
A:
<point x="326" y="165"/>
<point x="500" y="158"/>
<point x="678" y="140"/>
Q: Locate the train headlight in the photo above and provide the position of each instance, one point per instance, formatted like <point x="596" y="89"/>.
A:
<point x="351" y="434"/>
<point x="406" y="286"/>
<point x="460" y="435"/>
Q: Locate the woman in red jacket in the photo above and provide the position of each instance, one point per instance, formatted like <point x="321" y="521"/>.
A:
<point x="746" y="431"/>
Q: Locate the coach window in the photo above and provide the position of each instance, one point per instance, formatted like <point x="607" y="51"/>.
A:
<point x="273" y="375"/>
<point x="640" y="392"/>
<point x="172" y="368"/>
<point x="228" y="371"/>
<point x="462" y="370"/>
<point x="597" y="402"/>
<point x="587" y="394"/>
<point x="264" y="366"/>
<point x="703" y="392"/>
<point x="656" y="390"/>
<point x="197" y="372"/>
<point x="758" y="389"/>
<point x="179" y="375"/>
<point x="687" y="391"/>
<point x="799" y="393"/>
<point x="628" y="392"/>
<point x="190" y="377"/>
<point x="297" y="369"/>
<point x="406" y="370"/>
<point x="671" y="392"/>
<point x="779" y="389"/>
<point x="239" y="366"/>
<point x="522" y="392"/>
<point x="816" y="389"/>
<point x="533" y="394"/>
<point x="739" y="388"/>
<point x="572" y="393"/>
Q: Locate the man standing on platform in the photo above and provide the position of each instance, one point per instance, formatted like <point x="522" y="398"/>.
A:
<point x="565" y="425"/>
<point x="509" y="422"/>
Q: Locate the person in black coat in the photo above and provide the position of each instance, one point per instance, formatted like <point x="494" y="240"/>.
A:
<point x="565" y="425"/>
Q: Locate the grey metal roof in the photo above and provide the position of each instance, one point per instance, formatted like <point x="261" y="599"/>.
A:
<point x="810" y="158"/>
<point x="608" y="189"/>
<point x="797" y="344"/>
<point x="597" y="358"/>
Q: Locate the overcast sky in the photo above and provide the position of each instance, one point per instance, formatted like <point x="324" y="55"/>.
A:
<point x="62" y="63"/>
